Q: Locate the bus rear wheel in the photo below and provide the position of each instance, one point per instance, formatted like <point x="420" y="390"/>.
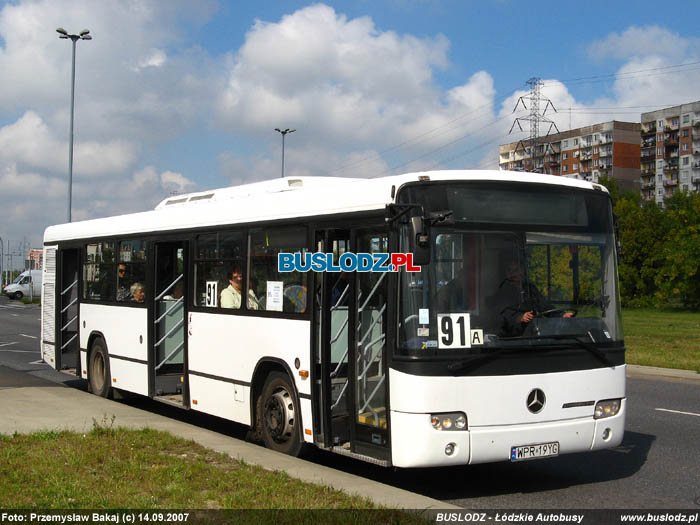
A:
<point x="280" y="417"/>
<point x="98" y="369"/>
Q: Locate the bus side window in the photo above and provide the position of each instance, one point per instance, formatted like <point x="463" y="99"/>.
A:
<point x="99" y="271"/>
<point x="275" y="291"/>
<point x="131" y="268"/>
<point x="216" y="255"/>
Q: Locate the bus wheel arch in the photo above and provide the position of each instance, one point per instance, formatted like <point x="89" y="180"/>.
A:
<point x="99" y="375"/>
<point x="276" y="411"/>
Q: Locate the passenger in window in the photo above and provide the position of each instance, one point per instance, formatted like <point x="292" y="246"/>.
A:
<point x="123" y="293"/>
<point x="231" y="296"/>
<point x="137" y="293"/>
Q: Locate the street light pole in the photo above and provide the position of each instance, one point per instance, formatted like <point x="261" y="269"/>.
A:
<point x="284" y="132"/>
<point x="83" y="35"/>
<point x="2" y="267"/>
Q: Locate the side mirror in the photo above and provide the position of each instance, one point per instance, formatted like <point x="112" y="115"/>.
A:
<point x="420" y="241"/>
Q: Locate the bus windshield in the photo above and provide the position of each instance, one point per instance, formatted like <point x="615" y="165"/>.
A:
<point x="496" y="281"/>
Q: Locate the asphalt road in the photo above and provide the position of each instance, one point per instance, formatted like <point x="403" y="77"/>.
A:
<point x="656" y="467"/>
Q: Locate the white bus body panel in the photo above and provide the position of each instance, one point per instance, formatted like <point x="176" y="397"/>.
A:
<point x="229" y="347"/>
<point x="497" y="415"/>
<point x="125" y="331"/>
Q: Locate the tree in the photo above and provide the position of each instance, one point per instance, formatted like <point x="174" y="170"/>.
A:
<point x="678" y="279"/>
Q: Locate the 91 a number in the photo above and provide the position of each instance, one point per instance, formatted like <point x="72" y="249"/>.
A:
<point x="453" y="330"/>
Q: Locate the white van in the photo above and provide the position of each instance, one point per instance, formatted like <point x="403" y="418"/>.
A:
<point x="20" y="287"/>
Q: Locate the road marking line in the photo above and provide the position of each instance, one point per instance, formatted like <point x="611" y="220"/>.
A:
<point x="21" y="351"/>
<point x="14" y="315"/>
<point x="37" y="362"/>
<point x="678" y="412"/>
<point x="8" y="344"/>
<point x="29" y="336"/>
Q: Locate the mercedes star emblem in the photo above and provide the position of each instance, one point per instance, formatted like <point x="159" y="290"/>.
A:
<point x="535" y="401"/>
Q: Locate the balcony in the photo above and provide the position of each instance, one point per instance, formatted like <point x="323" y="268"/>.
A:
<point x="647" y="154"/>
<point x="670" y="183"/>
<point x="651" y="128"/>
<point x="647" y="185"/>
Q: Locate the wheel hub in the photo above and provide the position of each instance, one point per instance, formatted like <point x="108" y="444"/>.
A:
<point x="279" y="415"/>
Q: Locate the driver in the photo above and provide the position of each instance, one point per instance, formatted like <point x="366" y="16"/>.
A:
<point x="526" y="301"/>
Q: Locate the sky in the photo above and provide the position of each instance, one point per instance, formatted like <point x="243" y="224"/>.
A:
<point x="176" y="96"/>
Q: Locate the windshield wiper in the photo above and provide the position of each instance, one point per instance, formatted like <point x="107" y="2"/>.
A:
<point x="478" y="361"/>
<point x="578" y="338"/>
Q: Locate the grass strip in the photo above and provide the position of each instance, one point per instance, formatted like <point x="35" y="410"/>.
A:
<point x="664" y="338"/>
<point x="148" y="469"/>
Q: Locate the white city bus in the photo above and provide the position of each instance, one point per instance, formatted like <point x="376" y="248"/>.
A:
<point x="506" y="345"/>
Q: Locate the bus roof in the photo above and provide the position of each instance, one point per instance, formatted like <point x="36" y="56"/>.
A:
<point x="279" y="199"/>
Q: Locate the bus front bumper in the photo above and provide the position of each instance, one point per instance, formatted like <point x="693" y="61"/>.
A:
<point x="415" y="443"/>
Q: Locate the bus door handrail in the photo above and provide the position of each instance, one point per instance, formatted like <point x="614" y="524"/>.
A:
<point x="169" y="287"/>
<point x="179" y="347"/>
<point x="381" y="339"/>
<point x="70" y="287"/>
<point x="340" y="396"/>
<point x="178" y="325"/>
<point x="69" y="341"/>
<point x="170" y="309"/>
<point x="69" y="323"/>
<point x="69" y="305"/>
<point x="364" y="407"/>
<point x="371" y="293"/>
<point x="369" y="329"/>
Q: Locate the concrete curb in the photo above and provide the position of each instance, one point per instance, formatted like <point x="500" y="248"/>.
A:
<point x="35" y="408"/>
<point x="653" y="371"/>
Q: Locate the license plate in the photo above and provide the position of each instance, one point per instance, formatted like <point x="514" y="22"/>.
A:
<point x="542" y="450"/>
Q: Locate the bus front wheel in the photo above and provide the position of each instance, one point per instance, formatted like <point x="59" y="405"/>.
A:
<point x="280" y="417"/>
<point x="98" y="369"/>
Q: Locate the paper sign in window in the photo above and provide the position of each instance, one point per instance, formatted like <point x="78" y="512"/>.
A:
<point x="274" y="296"/>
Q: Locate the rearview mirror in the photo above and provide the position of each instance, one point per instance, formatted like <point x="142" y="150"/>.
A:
<point x="419" y="241"/>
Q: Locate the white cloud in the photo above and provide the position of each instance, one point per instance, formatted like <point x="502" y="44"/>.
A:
<point x="642" y="42"/>
<point x="175" y="181"/>
<point x="31" y="143"/>
<point x="156" y="58"/>
<point x="346" y="81"/>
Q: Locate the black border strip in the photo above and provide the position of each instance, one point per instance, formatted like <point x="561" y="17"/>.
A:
<point x="48" y="343"/>
<point x="219" y="378"/>
<point x="305" y="396"/>
<point x="579" y="404"/>
<point x="130" y="359"/>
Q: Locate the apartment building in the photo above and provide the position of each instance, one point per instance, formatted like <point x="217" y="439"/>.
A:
<point x="611" y="149"/>
<point x="670" y="158"/>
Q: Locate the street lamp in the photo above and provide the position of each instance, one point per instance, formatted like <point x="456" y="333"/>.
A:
<point x="83" y="35"/>
<point x="2" y="272"/>
<point x="284" y="132"/>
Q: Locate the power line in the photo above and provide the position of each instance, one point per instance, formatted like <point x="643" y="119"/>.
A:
<point x="376" y="156"/>
<point x="628" y="73"/>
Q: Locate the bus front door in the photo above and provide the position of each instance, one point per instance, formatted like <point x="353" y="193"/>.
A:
<point x="67" y="310"/>
<point x="350" y="320"/>
<point x="168" y="359"/>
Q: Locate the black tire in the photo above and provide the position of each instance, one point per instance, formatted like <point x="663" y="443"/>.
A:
<point x="18" y="295"/>
<point x="280" y="415"/>
<point x="99" y="375"/>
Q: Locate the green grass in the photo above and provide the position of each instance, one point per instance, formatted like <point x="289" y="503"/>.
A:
<point x="140" y="469"/>
<point x="665" y="338"/>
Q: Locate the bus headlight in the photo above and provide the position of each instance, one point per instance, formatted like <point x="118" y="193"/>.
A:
<point x="451" y="421"/>
<point x="607" y="408"/>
